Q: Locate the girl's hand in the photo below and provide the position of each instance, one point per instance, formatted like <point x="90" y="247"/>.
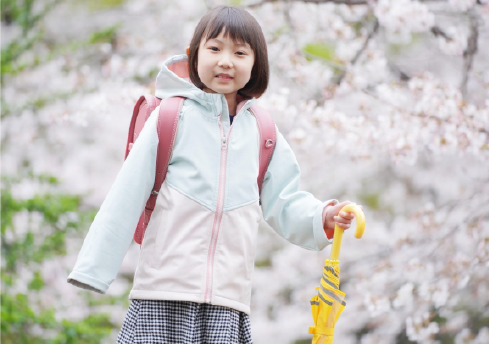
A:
<point x="331" y="217"/>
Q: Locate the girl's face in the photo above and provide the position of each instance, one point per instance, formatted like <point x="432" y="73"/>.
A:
<point x="223" y="66"/>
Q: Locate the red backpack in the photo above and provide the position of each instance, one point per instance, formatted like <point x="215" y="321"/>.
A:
<point x="167" y="127"/>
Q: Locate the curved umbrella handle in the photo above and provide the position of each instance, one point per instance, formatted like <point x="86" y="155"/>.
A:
<point x="338" y="231"/>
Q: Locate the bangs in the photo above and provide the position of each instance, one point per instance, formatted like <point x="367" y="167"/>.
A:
<point x="233" y="26"/>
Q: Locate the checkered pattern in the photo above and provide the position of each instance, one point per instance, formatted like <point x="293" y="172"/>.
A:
<point x="174" y="322"/>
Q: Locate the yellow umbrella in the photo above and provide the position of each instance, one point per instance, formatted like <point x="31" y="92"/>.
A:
<point x="329" y="302"/>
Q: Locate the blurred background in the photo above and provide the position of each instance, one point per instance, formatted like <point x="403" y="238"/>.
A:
<point x="385" y="103"/>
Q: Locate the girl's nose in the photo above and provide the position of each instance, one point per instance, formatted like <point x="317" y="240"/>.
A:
<point x="225" y="62"/>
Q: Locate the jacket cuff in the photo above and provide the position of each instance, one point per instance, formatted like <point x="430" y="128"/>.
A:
<point x="321" y="240"/>
<point x="84" y="281"/>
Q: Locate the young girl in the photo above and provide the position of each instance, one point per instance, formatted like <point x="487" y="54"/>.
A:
<point x="193" y="279"/>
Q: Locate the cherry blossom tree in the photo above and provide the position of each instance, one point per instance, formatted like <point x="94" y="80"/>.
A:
<point x="385" y="103"/>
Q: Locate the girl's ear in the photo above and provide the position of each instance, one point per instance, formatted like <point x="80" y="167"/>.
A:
<point x="188" y="50"/>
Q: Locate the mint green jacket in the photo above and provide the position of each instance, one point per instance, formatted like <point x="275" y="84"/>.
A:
<point x="200" y="242"/>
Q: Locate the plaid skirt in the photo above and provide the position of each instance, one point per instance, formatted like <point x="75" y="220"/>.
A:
<point x="173" y="322"/>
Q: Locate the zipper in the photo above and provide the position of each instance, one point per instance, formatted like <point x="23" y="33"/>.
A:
<point x="219" y="211"/>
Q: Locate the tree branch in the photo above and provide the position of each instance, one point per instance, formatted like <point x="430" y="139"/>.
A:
<point x="288" y="19"/>
<point x="345" y="2"/>
<point x="439" y="32"/>
<point x="469" y="52"/>
<point x="403" y="76"/>
<point x="471" y="125"/>
<point x="359" y="52"/>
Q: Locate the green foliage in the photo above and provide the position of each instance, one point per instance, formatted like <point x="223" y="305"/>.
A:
<point x="96" y="5"/>
<point x="51" y="218"/>
<point x="90" y="330"/>
<point x="22" y="13"/>
<point x="477" y="319"/>
<point x="14" y="50"/>
<point x="36" y="104"/>
<point x="366" y="21"/>
<point x="263" y="263"/>
<point x="93" y="299"/>
<point x="149" y="77"/>
<point x="35" y="228"/>
<point x="280" y="31"/>
<point x="402" y="338"/>
<point x="106" y="35"/>
<point x="401" y="48"/>
<point x="320" y="50"/>
<point x="19" y="318"/>
<point x="371" y="200"/>
<point x="37" y="283"/>
<point x="303" y="341"/>
<point x="59" y="215"/>
<point x="357" y="27"/>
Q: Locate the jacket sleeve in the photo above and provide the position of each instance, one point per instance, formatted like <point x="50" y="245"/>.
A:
<point x="293" y="214"/>
<point x="112" y="230"/>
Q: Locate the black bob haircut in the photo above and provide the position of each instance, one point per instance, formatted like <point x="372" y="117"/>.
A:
<point x="242" y="27"/>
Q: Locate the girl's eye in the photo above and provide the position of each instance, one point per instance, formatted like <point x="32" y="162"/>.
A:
<point x="240" y="53"/>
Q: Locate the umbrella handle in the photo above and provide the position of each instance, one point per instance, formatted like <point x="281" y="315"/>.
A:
<point x="338" y="231"/>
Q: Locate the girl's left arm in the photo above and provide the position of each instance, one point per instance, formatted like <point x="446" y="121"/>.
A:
<point x="293" y="214"/>
<point x="112" y="230"/>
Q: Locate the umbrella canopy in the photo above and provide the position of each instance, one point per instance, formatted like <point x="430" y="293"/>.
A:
<point x="329" y="302"/>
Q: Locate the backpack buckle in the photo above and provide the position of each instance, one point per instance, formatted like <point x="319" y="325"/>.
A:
<point x="153" y="192"/>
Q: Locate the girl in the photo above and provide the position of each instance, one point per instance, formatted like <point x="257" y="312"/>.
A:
<point x="193" y="279"/>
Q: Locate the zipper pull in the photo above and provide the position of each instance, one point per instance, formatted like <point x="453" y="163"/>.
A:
<point x="224" y="143"/>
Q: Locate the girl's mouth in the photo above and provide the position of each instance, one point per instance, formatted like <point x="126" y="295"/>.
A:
<point x="223" y="78"/>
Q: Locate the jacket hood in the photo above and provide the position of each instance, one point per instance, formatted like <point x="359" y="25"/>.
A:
<point x="173" y="80"/>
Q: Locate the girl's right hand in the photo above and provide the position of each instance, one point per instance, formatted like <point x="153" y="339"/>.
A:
<point x="333" y="216"/>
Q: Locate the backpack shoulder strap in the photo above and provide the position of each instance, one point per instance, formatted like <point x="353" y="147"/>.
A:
<point x="143" y="108"/>
<point x="268" y="137"/>
<point x="167" y="129"/>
